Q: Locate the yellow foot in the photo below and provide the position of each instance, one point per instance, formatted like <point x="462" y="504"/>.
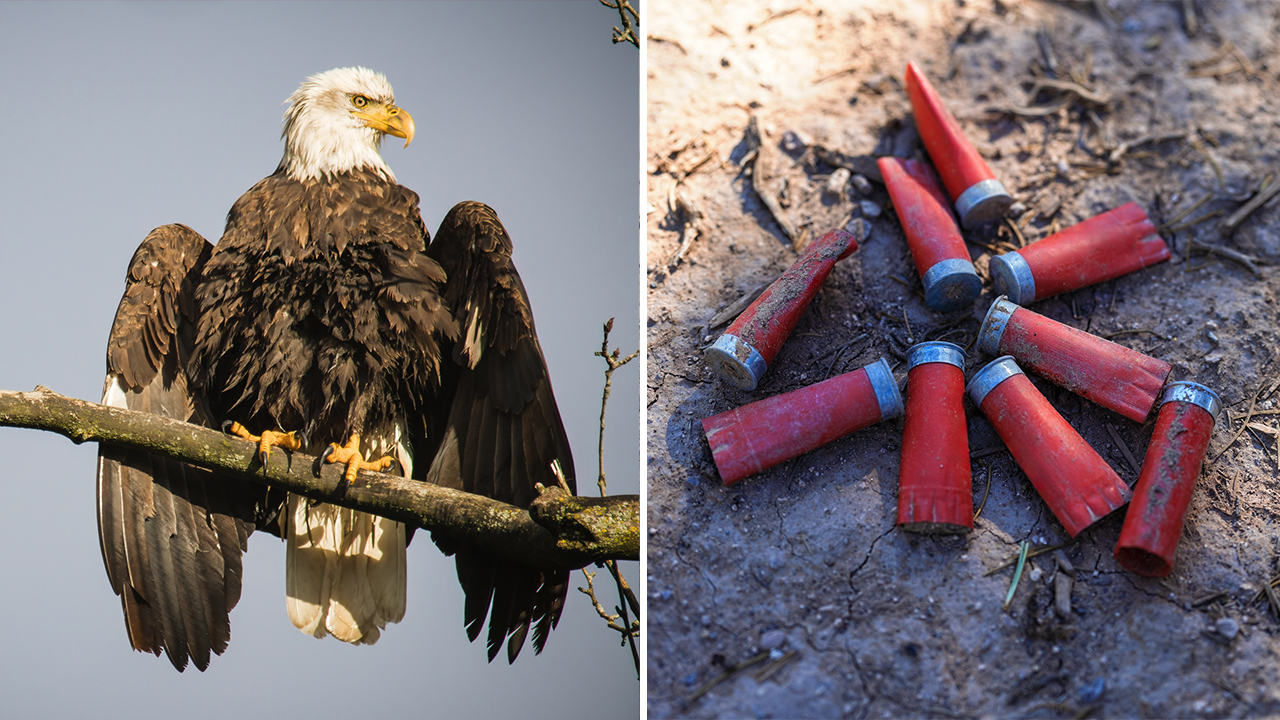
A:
<point x="269" y="438"/>
<point x="350" y="454"/>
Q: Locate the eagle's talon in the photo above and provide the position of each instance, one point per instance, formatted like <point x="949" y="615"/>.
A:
<point x="265" y="441"/>
<point x="351" y="455"/>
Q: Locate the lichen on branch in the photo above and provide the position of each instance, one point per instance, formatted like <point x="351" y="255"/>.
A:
<point x="605" y="529"/>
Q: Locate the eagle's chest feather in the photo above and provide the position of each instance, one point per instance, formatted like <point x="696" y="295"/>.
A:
<point x="306" y="313"/>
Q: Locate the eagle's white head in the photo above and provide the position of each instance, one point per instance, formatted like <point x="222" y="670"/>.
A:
<point x="335" y="123"/>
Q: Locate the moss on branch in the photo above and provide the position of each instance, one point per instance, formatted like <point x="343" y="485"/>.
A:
<point x="571" y="532"/>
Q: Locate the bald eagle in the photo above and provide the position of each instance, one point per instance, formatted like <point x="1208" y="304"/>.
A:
<point x="329" y="322"/>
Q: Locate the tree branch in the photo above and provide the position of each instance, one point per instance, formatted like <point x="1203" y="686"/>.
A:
<point x="560" y="531"/>
<point x="630" y="22"/>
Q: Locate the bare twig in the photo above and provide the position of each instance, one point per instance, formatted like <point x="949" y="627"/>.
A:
<point x="1194" y="142"/>
<point x="1248" y="415"/>
<point x="1189" y="18"/>
<point x="1067" y="86"/>
<point x="611" y="620"/>
<point x="630" y="629"/>
<point x="1033" y="552"/>
<point x="1039" y="111"/>
<point x="735" y="308"/>
<point x="686" y="208"/>
<point x="1249" y="262"/>
<point x="1264" y="195"/>
<point x="754" y="148"/>
<point x="836" y="74"/>
<point x="1218" y="56"/>
<point x="1192" y="222"/>
<point x="986" y="492"/>
<point x="614" y="363"/>
<point x="1125" y="147"/>
<point x="729" y="671"/>
<point x="1124" y="449"/>
<point x="1190" y="209"/>
<point x="630" y="22"/>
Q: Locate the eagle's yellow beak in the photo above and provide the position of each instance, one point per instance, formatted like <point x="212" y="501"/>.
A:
<point x="389" y="119"/>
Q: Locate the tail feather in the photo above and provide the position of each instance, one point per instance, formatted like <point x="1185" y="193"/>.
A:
<point x="345" y="571"/>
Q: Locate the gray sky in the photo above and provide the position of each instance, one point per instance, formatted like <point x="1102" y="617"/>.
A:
<point x="123" y="117"/>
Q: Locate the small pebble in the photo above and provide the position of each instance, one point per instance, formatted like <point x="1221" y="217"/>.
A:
<point x="1227" y="628"/>
<point x="773" y="639"/>
<point x="792" y="143"/>
<point x="1017" y="209"/>
<point x="869" y="209"/>
<point x="861" y="184"/>
<point x="1036" y="574"/>
<point x="837" y="183"/>
<point x="1093" y="691"/>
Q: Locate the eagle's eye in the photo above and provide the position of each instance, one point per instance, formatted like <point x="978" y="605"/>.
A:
<point x="359" y="101"/>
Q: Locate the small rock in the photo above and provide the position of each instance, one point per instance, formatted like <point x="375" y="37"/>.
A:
<point x="1091" y="692"/>
<point x="792" y="143"/>
<point x="691" y="679"/>
<point x="1017" y="209"/>
<point x="1227" y="628"/>
<point x="1035" y="574"/>
<point x="773" y="639"/>
<point x="837" y="183"/>
<point x="1062" y="594"/>
<point x="869" y="209"/>
<point x="861" y="184"/>
<point x="861" y="230"/>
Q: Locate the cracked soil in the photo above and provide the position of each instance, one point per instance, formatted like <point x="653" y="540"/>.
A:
<point x="801" y="564"/>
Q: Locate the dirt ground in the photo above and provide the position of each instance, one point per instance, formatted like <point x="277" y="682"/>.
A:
<point x="800" y="568"/>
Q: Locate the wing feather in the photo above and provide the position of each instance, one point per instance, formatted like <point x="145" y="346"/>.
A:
<point x="171" y="534"/>
<point x="496" y="429"/>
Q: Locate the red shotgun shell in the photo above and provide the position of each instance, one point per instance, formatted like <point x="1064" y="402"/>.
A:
<point x="744" y="351"/>
<point x="1105" y="246"/>
<point x="757" y="436"/>
<point x="1153" y="523"/>
<point x="1109" y="374"/>
<point x="1074" y="481"/>
<point x="935" y="487"/>
<point x="979" y="196"/>
<point x="942" y="258"/>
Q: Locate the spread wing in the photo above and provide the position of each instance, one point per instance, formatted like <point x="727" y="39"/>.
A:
<point x="171" y="534"/>
<point x="496" y="423"/>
